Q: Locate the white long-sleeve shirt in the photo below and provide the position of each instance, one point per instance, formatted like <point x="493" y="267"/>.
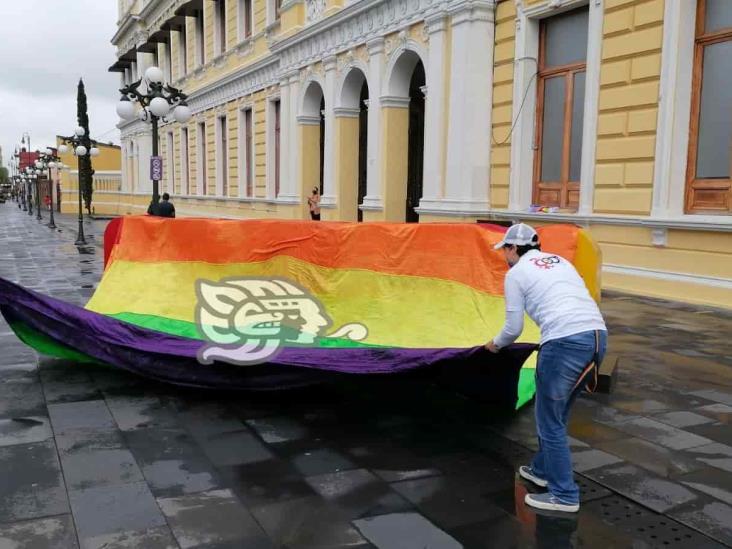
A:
<point x="553" y="294"/>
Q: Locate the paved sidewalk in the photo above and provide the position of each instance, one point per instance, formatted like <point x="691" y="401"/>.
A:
<point x="94" y="457"/>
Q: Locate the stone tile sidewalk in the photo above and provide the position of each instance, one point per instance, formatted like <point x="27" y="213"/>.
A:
<point x="93" y="457"/>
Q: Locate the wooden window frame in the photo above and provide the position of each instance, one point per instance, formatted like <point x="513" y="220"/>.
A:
<point x="221" y="23"/>
<point x="277" y="110"/>
<point x="245" y="19"/>
<point x="170" y="150"/>
<point x="723" y="186"/>
<point x="223" y="160"/>
<point x="564" y="185"/>
<point x="201" y="144"/>
<point x="248" y="153"/>
<point x="185" y="162"/>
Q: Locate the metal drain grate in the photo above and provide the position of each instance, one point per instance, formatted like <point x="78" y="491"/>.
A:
<point x="642" y="524"/>
<point x="590" y="490"/>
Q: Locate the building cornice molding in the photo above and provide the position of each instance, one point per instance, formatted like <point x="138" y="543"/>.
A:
<point x="466" y="11"/>
<point x="259" y="75"/>
<point x="124" y="26"/>
<point x="357" y="23"/>
<point x="307" y="120"/>
<point x="722" y="223"/>
<point x="394" y="102"/>
<point x="346" y="112"/>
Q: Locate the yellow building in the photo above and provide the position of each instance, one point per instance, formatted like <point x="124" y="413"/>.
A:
<point x="107" y="197"/>
<point x="454" y="110"/>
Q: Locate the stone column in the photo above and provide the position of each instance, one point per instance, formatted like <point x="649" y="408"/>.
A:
<point x="373" y="199"/>
<point x="285" y="180"/>
<point x="292" y="153"/>
<point x="330" y="192"/>
<point x="471" y="96"/>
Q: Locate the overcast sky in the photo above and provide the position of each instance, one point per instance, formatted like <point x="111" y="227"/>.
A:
<point x="45" y="47"/>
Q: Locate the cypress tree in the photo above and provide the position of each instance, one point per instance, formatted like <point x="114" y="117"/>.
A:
<point x="86" y="173"/>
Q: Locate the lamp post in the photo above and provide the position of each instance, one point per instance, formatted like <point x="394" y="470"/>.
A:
<point x="81" y="145"/>
<point x="29" y="196"/>
<point x="160" y="101"/>
<point x="48" y="160"/>
<point x="30" y="177"/>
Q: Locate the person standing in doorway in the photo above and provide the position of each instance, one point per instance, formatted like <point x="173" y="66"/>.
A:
<point x="573" y="344"/>
<point x="314" y="203"/>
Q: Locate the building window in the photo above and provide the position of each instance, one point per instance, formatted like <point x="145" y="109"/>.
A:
<point x="202" y="175"/>
<point x="170" y="146"/>
<point x="273" y="148"/>
<point x="277" y="8"/>
<point x="185" y="185"/>
<point x="223" y="156"/>
<point x="168" y="61"/>
<point x="246" y="154"/>
<point x="245" y="19"/>
<point x="183" y="50"/>
<point x="200" y="42"/>
<point x="709" y="185"/>
<point x="220" y="25"/>
<point x="560" y="109"/>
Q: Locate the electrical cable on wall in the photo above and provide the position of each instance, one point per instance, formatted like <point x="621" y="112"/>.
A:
<point x="521" y="106"/>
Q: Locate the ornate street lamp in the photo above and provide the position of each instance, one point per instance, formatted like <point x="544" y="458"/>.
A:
<point x="48" y="160"/>
<point x="159" y="103"/>
<point x="30" y="177"/>
<point x="81" y="145"/>
<point x="29" y="195"/>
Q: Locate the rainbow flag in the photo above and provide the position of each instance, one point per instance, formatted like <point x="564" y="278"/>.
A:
<point x="180" y="298"/>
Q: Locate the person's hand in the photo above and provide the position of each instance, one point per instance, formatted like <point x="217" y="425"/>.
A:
<point x="490" y="346"/>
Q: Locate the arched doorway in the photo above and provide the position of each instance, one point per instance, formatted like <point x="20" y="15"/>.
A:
<point x="352" y="146"/>
<point x="363" y="138"/>
<point x="403" y="128"/>
<point x="415" y="162"/>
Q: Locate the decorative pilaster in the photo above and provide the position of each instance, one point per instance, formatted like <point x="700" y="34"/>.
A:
<point x="373" y="199"/>
<point x="435" y="123"/>
<point x="329" y="184"/>
<point x="471" y="96"/>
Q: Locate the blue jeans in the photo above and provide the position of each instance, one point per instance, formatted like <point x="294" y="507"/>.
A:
<point x="561" y="361"/>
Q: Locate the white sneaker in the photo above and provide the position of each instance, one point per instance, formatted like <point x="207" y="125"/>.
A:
<point x="526" y="472"/>
<point x="549" y="502"/>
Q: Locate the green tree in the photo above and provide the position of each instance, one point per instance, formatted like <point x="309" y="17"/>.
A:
<point x="86" y="173"/>
<point x="3" y="174"/>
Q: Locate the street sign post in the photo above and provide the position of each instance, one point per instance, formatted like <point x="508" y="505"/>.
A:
<point x="156" y="168"/>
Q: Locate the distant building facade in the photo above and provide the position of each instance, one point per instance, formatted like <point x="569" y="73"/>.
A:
<point x="107" y="197"/>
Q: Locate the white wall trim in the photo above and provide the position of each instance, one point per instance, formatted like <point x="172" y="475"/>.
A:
<point x="708" y="223"/>
<point x="669" y="276"/>
<point x="525" y="66"/>
<point x="674" y="113"/>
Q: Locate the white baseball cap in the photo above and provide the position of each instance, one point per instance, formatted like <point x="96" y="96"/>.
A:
<point x="520" y="234"/>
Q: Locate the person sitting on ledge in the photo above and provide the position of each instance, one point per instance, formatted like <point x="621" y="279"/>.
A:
<point x="164" y="208"/>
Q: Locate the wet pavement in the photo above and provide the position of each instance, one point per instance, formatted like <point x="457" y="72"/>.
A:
<point x="93" y="457"/>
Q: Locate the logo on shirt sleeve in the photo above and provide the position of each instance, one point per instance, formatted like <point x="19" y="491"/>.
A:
<point x="546" y="262"/>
